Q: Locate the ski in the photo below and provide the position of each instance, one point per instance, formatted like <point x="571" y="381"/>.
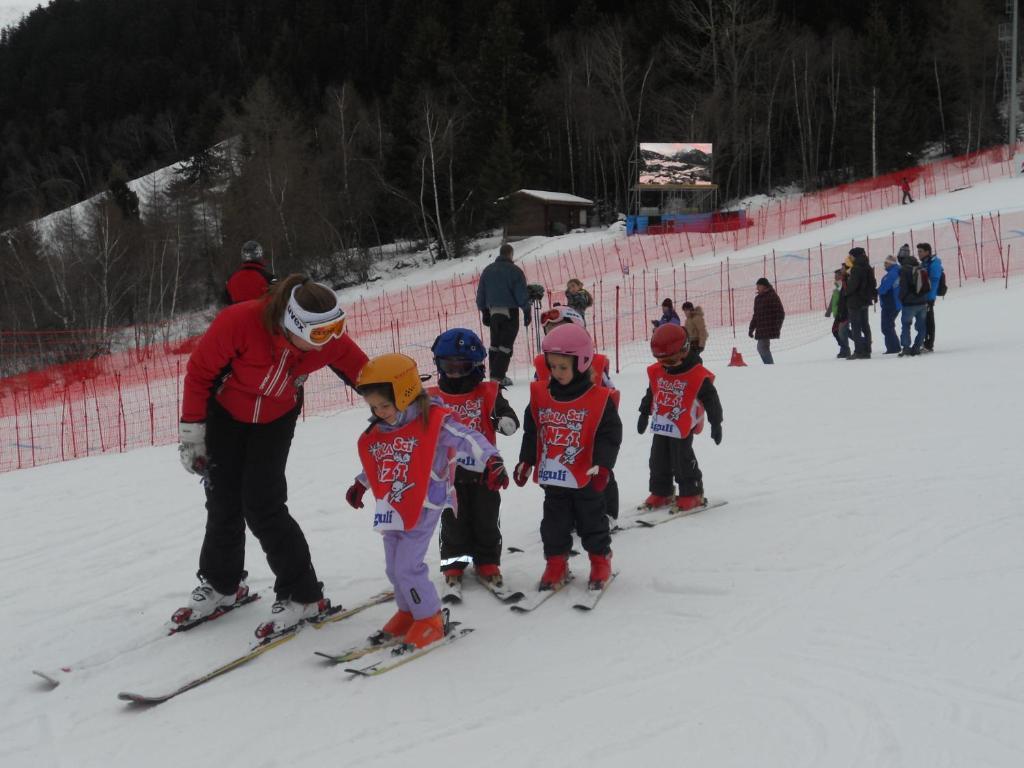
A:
<point x="664" y="515"/>
<point x="403" y="654"/>
<point x="590" y="598"/>
<point x="337" y="613"/>
<point x="534" y="600"/>
<point x="54" y="677"/>
<point x="504" y="593"/>
<point x="374" y="643"/>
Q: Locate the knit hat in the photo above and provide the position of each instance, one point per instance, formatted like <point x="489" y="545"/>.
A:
<point x="857" y="252"/>
<point x="687" y="305"/>
<point x="763" y="281"/>
<point x="667" y="303"/>
<point x="890" y="259"/>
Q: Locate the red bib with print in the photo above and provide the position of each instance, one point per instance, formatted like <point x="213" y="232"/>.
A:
<point x="473" y="409"/>
<point x="397" y="465"/>
<point x="675" y="409"/>
<point x="565" y="434"/>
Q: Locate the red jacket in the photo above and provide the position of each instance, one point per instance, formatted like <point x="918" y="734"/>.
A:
<point x="257" y="376"/>
<point x="249" y="282"/>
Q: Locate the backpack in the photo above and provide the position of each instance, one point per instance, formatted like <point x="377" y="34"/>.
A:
<point x="942" y="284"/>
<point x="920" y="284"/>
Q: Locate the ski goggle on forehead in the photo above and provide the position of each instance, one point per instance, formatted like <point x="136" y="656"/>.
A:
<point x="455" y="366"/>
<point x="317" y="328"/>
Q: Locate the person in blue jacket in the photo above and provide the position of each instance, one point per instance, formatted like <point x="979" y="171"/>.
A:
<point x="934" y="265"/>
<point x="889" y="299"/>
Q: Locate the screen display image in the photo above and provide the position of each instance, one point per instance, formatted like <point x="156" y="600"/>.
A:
<point x="675" y="164"/>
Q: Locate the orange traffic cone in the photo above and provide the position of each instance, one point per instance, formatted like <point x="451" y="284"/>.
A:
<point x="737" y="358"/>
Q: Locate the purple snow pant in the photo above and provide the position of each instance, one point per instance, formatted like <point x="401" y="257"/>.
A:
<point x="404" y="553"/>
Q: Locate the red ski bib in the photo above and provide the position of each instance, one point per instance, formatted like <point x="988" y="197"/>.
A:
<point x="675" y="409"/>
<point x="473" y="409"/>
<point x="397" y="466"/>
<point x="565" y="435"/>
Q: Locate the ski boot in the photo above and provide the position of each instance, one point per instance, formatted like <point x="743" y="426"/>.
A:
<point x="687" y="504"/>
<point x="656" y="502"/>
<point x="205" y="601"/>
<point x="600" y="570"/>
<point x="423" y="632"/>
<point x="490" y="573"/>
<point x="288" y="614"/>
<point x="556" y="574"/>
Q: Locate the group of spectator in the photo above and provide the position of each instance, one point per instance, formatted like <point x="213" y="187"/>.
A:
<point x="908" y="290"/>
<point x="696" y="329"/>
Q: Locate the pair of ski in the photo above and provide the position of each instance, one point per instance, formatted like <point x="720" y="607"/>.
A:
<point x="332" y="615"/>
<point x="387" y="652"/>
<point x="648" y="517"/>
<point x="585" y="602"/>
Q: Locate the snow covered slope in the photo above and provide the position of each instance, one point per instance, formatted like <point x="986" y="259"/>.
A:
<point x="857" y="603"/>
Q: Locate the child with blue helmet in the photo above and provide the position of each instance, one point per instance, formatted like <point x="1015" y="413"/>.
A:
<point x="470" y="533"/>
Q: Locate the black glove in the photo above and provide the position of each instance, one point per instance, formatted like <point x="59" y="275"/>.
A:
<point x="641" y="424"/>
<point x="487" y="317"/>
<point x="750" y="333"/>
<point x="527" y="317"/>
<point x="716" y="433"/>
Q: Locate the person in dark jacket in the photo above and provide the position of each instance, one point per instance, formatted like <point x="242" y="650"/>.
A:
<point x="251" y="280"/>
<point x="668" y="315"/>
<point x="578" y="297"/>
<point x="840" y="314"/>
<point x="500" y="296"/>
<point x="861" y="291"/>
<point x="766" y="322"/>
<point x="889" y="300"/>
<point x="915" y="308"/>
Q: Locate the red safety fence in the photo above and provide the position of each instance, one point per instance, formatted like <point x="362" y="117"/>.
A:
<point x="130" y="398"/>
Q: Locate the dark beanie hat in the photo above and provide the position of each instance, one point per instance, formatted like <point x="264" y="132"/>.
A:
<point x="858" y="251"/>
<point x="667" y="303"/>
<point x="763" y="281"/>
<point x="687" y="305"/>
<point x="926" y="247"/>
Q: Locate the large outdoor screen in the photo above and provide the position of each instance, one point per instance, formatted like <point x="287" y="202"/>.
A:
<point x="675" y="165"/>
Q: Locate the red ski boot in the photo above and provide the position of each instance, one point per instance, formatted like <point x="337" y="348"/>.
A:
<point x="656" y="502"/>
<point x="398" y="624"/>
<point x="490" y="573"/>
<point x="687" y="504"/>
<point x="423" y="632"/>
<point x="556" y="573"/>
<point x="600" y="570"/>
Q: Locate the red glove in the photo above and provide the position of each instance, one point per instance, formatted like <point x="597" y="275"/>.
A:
<point x="522" y="473"/>
<point x="601" y="478"/>
<point x="495" y="475"/>
<point x="354" y="495"/>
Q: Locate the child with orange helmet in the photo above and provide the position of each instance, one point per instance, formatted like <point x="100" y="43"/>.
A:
<point x="408" y="456"/>
<point x="571" y="439"/>
<point x="681" y="390"/>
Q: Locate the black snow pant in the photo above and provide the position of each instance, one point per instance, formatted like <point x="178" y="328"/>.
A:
<point x="504" y="329"/>
<point x="579" y="508"/>
<point x="247" y="485"/>
<point x="474" y="534"/>
<point x="611" y="498"/>
<point x="674" y="459"/>
<point x="929" y="327"/>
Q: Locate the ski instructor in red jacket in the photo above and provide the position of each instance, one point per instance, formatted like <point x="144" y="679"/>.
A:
<point x="242" y="396"/>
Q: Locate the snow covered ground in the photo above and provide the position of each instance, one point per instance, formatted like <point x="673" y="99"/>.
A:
<point x="857" y="602"/>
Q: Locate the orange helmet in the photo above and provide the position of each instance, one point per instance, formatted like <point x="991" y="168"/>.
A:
<point x="398" y="371"/>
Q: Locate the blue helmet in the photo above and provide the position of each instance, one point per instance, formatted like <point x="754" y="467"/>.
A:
<point x="459" y="344"/>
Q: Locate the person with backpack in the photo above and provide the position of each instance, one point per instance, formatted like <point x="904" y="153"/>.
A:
<point x="889" y="300"/>
<point x="936" y="279"/>
<point x="913" y="290"/>
<point x="861" y="291"/>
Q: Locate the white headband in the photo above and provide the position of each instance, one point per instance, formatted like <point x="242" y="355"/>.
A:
<point x="300" y="321"/>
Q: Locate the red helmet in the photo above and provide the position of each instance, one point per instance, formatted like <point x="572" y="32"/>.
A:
<point x="571" y="340"/>
<point x="669" y="340"/>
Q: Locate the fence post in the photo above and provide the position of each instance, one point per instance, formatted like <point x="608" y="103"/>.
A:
<point x="821" y="264"/>
<point x="17" y="428"/>
<point x="85" y="417"/>
<point x="618" y="315"/>
<point x="122" y="426"/>
<point x="775" y="272"/>
<point x="31" y="428"/>
<point x="1006" y="279"/>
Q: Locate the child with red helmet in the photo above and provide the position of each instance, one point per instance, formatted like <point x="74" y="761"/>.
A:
<point x="571" y="439"/>
<point x="680" y="393"/>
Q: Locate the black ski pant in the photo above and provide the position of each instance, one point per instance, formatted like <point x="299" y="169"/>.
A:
<point x="674" y="459"/>
<point x="247" y="486"/>
<point x="474" y="534"/>
<point x="611" y="498"/>
<point x="504" y="329"/>
<point x="579" y="508"/>
<point x="929" y="327"/>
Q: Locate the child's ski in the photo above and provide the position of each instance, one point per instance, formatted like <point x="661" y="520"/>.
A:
<point x="589" y="599"/>
<point x="501" y="591"/>
<point x="664" y="515"/>
<point x="534" y="600"/>
<point x="403" y="654"/>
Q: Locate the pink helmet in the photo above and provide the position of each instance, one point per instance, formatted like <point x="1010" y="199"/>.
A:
<point x="571" y="340"/>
